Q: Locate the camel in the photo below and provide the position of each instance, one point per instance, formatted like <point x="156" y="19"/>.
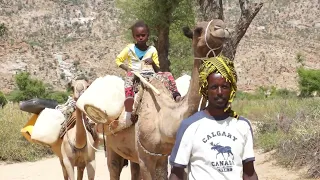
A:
<point x="76" y="149"/>
<point x="149" y="142"/>
<point x="73" y="149"/>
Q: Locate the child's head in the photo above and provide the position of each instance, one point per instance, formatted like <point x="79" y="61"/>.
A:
<point x="140" y="32"/>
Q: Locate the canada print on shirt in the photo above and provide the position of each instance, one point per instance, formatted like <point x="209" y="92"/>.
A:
<point x="226" y="164"/>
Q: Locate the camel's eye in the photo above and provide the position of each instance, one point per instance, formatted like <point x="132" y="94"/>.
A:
<point x="198" y="31"/>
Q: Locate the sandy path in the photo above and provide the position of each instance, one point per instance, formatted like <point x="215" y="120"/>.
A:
<point x="49" y="169"/>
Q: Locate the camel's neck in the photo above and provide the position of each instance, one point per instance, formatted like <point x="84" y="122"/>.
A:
<point x="187" y="107"/>
<point x="80" y="139"/>
<point x="193" y="97"/>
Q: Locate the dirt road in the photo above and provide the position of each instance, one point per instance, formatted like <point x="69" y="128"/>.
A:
<point x="49" y="169"/>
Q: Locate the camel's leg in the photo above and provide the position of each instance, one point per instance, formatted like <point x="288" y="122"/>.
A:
<point x="69" y="167"/>
<point x="135" y="171"/>
<point x="161" y="170"/>
<point x="64" y="171"/>
<point x="145" y="174"/>
<point x="91" y="169"/>
<point x="115" y="164"/>
<point x="80" y="173"/>
<point x="147" y="165"/>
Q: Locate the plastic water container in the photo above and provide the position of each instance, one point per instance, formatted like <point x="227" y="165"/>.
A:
<point x="183" y="84"/>
<point x="103" y="100"/>
<point x="47" y="126"/>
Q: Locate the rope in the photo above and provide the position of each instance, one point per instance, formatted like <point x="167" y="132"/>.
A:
<point x="146" y="151"/>
<point x="88" y="135"/>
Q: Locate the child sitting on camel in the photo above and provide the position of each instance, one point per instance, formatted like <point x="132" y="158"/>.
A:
<point x="141" y="58"/>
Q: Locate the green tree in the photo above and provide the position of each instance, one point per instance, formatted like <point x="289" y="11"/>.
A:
<point x="309" y="81"/>
<point x="160" y="15"/>
<point x="28" y="88"/>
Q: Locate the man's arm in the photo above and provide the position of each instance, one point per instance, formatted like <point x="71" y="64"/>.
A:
<point x="176" y="173"/>
<point x="249" y="172"/>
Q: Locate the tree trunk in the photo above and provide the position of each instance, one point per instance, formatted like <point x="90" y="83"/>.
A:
<point x="214" y="9"/>
<point x="166" y="7"/>
<point x="162" y="46"/>
<point x="210" y="9"/>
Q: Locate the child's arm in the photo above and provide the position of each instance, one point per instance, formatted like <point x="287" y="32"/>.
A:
<point x="125" y="67"/>
<point x="154" y="61"/>
<point x="121" y="58"/>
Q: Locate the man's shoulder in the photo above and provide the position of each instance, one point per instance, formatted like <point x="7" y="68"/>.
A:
<point x="244" y="120"/>
<point x="245" y="123"/>
<point x="191" y="120"/>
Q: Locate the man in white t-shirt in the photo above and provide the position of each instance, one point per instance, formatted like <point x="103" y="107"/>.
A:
<point x="215" y="143"/>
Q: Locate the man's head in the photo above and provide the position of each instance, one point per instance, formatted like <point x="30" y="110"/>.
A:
<point x="140" y="32"/>
<point x="78" y="87"/>
<point x="218" y="80"/>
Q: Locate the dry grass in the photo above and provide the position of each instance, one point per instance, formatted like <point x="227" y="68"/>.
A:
<point x="291" y="126"/>
<point x="14" y="147"/>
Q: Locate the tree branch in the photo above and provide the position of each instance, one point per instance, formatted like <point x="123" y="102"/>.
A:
<point x="220" y="7"/>
<point x="248" y="13"/>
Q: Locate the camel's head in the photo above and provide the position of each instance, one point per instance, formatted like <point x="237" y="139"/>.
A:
<point x="78" y="87"/>
<point x="207" y="36"/>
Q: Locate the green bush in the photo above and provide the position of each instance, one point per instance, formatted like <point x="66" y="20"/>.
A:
<point x="28" y="88"/>
<point x="3" y="100"/>
<point x="309" y="81"/>
<point x="59" y="96"/>
<point x="3" y="30"/>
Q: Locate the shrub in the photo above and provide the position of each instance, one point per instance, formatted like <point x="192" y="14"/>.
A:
<point x="27" y="88"/>
<point x="3" y="30"/>
<point x="289" y="126"/>
<point x="309" y="81"/>
<point x="3" y="100"/>
<point x="59" y="96"/>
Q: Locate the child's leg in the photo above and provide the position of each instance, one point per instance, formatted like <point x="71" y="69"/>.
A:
<point x="172" y="85"/>
<point x="129" y="94"/>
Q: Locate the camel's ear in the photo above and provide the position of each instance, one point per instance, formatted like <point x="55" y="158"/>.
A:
<point x="187" y="32"/>
<point x="72" y="84"/>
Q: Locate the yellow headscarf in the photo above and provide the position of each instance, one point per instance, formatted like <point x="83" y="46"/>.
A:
<point x="224" y="66"/>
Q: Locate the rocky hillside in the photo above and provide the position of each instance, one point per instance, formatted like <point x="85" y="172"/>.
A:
<point x="56" y="40"/>
<point x="282" y="29"/>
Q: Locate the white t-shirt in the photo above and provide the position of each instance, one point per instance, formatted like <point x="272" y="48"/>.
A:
<point x="213" y="149"/>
